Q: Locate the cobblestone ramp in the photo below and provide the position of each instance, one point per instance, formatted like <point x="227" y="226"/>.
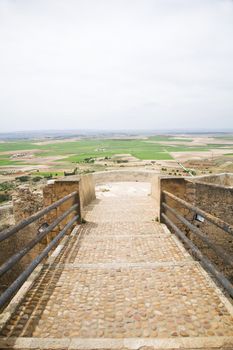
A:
<point x="122" y="281"/>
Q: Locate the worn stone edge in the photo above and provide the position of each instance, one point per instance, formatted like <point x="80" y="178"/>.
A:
<point x="109" y="343"/>
<point x="17" y="299"/>
<point x="126" y="236"/>
<point x="178" y="242"/>
<point x="62" y="245"/>
<point x="218" y="291"/>
<point x="124" y="265"/>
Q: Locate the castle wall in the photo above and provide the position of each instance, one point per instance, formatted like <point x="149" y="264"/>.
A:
<point x="6" y="216"/>
<point x="123" y="175"/>
<point x="27" y="202"/>
<point x="211" y="195"/>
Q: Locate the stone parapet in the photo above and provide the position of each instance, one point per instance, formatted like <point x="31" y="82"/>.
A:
<point x="27" y="202"/>
<point x="6" y="216"/>
<point x="53" y="192"/>
<point x="214" y="195"/>
<point x="124" y="175"/>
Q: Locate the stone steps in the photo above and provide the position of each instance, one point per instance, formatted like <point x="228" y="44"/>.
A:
<point x="121" y="281"/>
<point x="124" y="249"/>
<point x="122" y="302"/>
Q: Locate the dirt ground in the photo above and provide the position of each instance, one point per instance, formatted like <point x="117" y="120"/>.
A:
<point x="115" y="189"/>
<point x="184" y="156"/>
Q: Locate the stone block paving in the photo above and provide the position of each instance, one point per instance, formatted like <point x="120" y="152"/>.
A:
<point x="122" y="276"/>
<point x="123" y="211"/>
<point x="158" y="302"/>
<point x="129" y="242"/>
<point x="124" y="249"/>
<point x="123" y="229"/>
<point x="146" y="215"/>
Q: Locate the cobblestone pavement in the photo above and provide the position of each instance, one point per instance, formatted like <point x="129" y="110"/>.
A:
<point x="124" y="276"/>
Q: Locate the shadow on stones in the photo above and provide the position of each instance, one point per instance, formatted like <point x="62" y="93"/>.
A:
<point x="28" y="314"/>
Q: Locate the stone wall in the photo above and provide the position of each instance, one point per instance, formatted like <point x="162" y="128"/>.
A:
<point x="87" y="190"/>
<point x="155" y="193"/>
<point x="27" y="202"/>
<point x="6" y="216"/>
<point x="223" y="179"/>
<point x="123" y="175"/>
<point x="205" y="193"/>
<point x="54" y="191"/>
<point x="218" y="201"/>
<point x="58" y="189"/>
<point x="178" y="187"/>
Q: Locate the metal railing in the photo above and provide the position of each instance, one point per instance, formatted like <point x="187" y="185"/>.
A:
<point x="219" y="251"/>
<point x="12" y="261"/>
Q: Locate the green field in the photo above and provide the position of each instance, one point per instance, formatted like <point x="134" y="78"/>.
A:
<point x="16" y="146"/>
<point x="151" y="148"/>
<point x="79" y="150"/>
<point x="226" y="137"/>
<point x="5" y="160"/>
<point x="107" y="148"/>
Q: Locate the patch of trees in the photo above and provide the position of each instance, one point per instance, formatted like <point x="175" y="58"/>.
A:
<point x="89" y="160"/>
<point x="119" y="161"/>
<point x="23" y="178"/>
<point x="4" y="197"/>
<point x="74" y="172"/>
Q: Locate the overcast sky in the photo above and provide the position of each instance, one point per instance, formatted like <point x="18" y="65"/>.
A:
<point x="116" y="64"/>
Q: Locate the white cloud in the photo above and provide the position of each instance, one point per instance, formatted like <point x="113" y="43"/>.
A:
<point x="116" y="64"/>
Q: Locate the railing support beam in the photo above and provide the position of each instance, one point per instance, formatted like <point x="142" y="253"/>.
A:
<point x="216" y="221"/>
<point x="14" y="287"/>
<point x="18" y="256"/>
<point x="227" y="258"/>
<point x="9" y="232"/>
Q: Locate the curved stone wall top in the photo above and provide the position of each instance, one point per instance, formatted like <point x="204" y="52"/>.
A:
<point x="124" y="175"/>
